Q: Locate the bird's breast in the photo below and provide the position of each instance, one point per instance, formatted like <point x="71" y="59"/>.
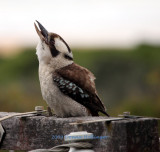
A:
<point x="45" y="78"/>
<point x="62" y="105"/>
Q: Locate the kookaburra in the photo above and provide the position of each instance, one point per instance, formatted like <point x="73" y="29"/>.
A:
<point x="68" y="88"/>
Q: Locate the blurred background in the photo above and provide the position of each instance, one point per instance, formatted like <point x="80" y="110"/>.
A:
<point x="118" y="40"/>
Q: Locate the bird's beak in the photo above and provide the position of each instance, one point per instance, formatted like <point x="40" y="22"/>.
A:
<point x="43" y="33"/>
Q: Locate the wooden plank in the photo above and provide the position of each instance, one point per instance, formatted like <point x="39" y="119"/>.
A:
<point x="40" y="132"/>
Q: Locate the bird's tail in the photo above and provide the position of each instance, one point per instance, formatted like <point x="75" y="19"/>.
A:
<point x="105" y="113"/>
<point x="102" y="109"/>
<point x="95" y="113"/>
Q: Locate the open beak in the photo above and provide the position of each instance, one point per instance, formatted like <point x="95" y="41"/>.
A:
<point x="43" y="33"/>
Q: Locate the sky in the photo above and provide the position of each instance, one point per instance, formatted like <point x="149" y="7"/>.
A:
<point x="82" y="23"/>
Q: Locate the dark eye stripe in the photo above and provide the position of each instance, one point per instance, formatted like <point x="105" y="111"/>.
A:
<point x="53" y="49"/>
<point x="68" y="57"/>
<point x="54" y="52"/>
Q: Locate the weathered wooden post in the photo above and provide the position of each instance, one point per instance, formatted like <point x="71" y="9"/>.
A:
<point x="110" y="134"/>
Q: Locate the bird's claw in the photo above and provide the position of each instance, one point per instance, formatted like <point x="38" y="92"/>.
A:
<point x="49" y="113"/>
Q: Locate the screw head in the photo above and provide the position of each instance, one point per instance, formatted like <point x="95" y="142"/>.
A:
<point x="126" y="113"/>
<point x="39" y="108"/>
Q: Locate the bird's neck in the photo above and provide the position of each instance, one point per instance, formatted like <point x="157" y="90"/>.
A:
<point x="54" y="64"/>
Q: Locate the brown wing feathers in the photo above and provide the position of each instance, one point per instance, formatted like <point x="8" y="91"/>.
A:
<point x="83" y="80"/>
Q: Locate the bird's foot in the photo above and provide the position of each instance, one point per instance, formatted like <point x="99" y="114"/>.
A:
<point x="49" y="113"/>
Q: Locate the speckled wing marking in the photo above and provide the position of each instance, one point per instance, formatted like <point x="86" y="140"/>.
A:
<point x="72" y="90"/>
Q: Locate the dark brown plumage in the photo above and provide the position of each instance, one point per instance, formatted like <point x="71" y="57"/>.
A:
<point x="84" y="79"/>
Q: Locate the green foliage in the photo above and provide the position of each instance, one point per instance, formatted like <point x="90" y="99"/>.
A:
<point x="20" y="66"/>
<point x="127" y="80"/>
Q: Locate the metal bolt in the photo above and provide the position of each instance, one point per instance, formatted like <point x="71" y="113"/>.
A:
<point x="39" y="108"/>
<point x="126" y="113"/>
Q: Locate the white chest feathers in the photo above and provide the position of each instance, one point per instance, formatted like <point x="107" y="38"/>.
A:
<point x="43" y="52"/>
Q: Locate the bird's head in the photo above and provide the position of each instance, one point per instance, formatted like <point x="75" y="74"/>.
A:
<point x="52" y="49"/>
